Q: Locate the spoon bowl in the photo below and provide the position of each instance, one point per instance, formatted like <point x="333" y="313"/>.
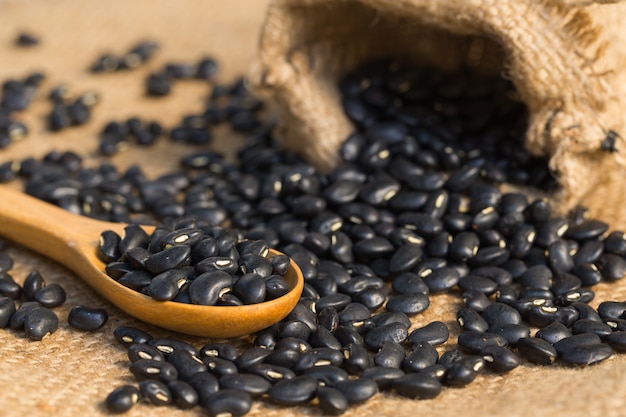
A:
<point x="72" y="240"/>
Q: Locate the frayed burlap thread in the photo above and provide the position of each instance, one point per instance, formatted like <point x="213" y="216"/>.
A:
<point x="562" y="57"/>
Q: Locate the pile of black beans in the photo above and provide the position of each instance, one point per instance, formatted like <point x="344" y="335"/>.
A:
<point x="68" y="110"/>
<point x="136" y="56"/>
<point x="16" y="96"/>
<point x="195" y="263"/>
<point x="36" y="300"/>
<point x="415" y="208"/>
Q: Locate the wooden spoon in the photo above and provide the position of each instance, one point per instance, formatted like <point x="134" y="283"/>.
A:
<point x="72" y="241"/>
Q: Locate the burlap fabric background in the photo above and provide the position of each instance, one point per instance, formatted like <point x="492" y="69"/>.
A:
<point x="70" y="373"/>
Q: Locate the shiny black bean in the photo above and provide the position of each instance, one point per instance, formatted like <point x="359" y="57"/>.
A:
<point x="209" y="286"/>
<point x="303" y="314"/>
<point x="331" y="400"/>
<point x="588" y="229"/>
<point x="409" y="304"/>
<point x="395" y="332"/>
<point x="612" y="267"/>
<point x="476" y="300"/>
<point x="356" y="358"/>
<point x="541" y="316"/>
<point x="559" y="258"/>
<point x="617" y="340"/>
<point x="144" y="369"/>
<point x="183" y="394"/>
<point x="500" y="313"/>
<point x="612" y="310"/>
<point x="298" y="390"/>
<point x="500" y="359"/>
<point x="87" y="318"/>
<point x="390" y="355"/>
<point x="539" y="276"/>
<point x="40" y="322"/>
<point x="187" y="365"/>
<point x="435" y="333"/>
<point x="294" y="328"/>
<point x="294" y="343"/>
<point x="128" y="336"/>
<point x="166" y="285"/>
<point x="357" y="390"/>
<point x="250" y="288"/>
<point x="167" y="346"/>
<point x="471" y="320"/>
<point x="337" y="301"/>
<point x="143" y="351"/>
<point x="327" y="375"/>
<point x="136" y="279"/>
<point x="108" y="246"/>
<point x="464" y="371"/>
<point x="322" y="337"/>
<point x="521" y="241"/>
<point x="490" y="256"/>
<point x="450" y="357"/>
<point x="428" y="181"/>
<point x="422" y="356"/>
<point x="230" y="402"/>
<point x="250" y="383"/>
<point x="417" y="386"/>
<point x="328" y="318"/>
<point x="475" y="342"/>
<point x="8" y="287"/>
<point x="615" y="243"/>
<point x="587" y="355"/>
<point x="511" y="332"/>
<point x="205" y="385"/>
<point x="420" y="223"/>
<point x="577" y="340"/>
<point x="383" y="376"/>
<point x="588" y="252"/>
<point x="464" y="246"/>
<point x="33" y="282"/>
<point x="318" y="357"/>
<point x="441" y="279"/>
<point x="404" y="258"/>
<point x="565" y="283"/>
<point x="478" y="283"/>
<point x="271" y="373"/>
<point x="122" y="399"/>
<point x="219" y="367"/>
<point x="591" y="326"/>
<point x="17" y="319"/>
<point x="409" y="283"/>
<point x="379" y="190"/>
<point x="283" y="357"/>
<point x="7" y="308"/>
<point x="170" y="258"/>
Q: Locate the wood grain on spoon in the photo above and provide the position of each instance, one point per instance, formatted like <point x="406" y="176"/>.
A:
<point x="72" y="241"/>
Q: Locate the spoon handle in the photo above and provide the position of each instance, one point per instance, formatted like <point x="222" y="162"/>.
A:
<point x="45" y="228"/>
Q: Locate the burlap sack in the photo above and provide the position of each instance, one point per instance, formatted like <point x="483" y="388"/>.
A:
<point x="565" y="58"/>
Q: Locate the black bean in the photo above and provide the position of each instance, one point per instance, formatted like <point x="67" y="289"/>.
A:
<point x="612" y="310"/>
<point x="170" y="258"/>
<point x="390" y="355"/>
<point x="187" y="365"/>
<point x="143" y="351"/>
<point x="8" y="287"/>
<point x="588" y="229"/>
<point x="183" y="394"/>
<point x="250" y="383"/>
<point x="577" y="340"/>
<point x="435" y="333"/>
<point x="33" y="282"/>
<point x="479" y="283"/>
<point x="588" y="252"/>
<point x="122" y="399"/>
<point x="409" y="283"/>
<point x="318" y="357"/>
<point x="559" y="258"/>
<point x="133" y="236"/>
<point x="500" y="359"/>
<point x="450" y="357"/>
<point x="541" y="316"/>
<point x="219" y="367"/>
<point x="167" y="346"/>
<point x="422" y="356"/>
<point x="612" y="267"/>
<point x="40" y="322"/>
<point x="409" y="304"/>
<point x="464" y="371"/>
<point x="207" y="288"/>
<point x="476" y="300"/>
<point x="441" y="279"/>
<point x="470" y="320"/>
<point x="136" y="280"/>
<point x="331" y="400"/>
<point x="205" y="385"/>
<point x="617" y="340"/>
<point x="587" y="354"/>
<point x="298" y="390"/>
<point x="420" y="223"/>
<point x="357" y="390"/>
<point x="222" y="350"/>
<point x="356" y="358"/>
<point x="272" y="373"/>
<point x="499" y="313"/>
<point x="475" y="342"/>
<point x="153" y="369"/>
<point x="127" y="335"/>
<point x="87" y="318"/>
<point x="511" y="332"/>
<point x="7" y="308"/>
<point x="394" y="332"/>
<point x="591" y="326"/>
<point x="417" y="386"/>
